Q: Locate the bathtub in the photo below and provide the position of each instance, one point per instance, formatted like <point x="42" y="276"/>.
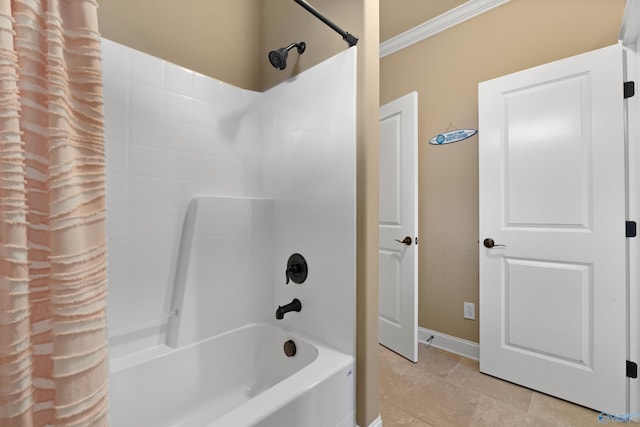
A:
<point x="235" y="379"/>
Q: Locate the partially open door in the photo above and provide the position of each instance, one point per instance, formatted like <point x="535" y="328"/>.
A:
<point x="553" y="284"/>
<point x="398" y="250"/>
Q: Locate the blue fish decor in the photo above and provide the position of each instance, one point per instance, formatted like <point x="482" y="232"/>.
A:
<point x="452" y="136"/>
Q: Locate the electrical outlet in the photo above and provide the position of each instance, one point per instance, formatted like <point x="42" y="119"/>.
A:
<point x="469" y="311"/>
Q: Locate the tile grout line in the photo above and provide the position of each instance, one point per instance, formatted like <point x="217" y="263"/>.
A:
<point x="464" y="387"/>
<point x="454" y="368"/>
<point x="460" y="386"/>
<point x="475" y="411"/>
<point x="526" y="413"/>
<point x="412" y="366"/>
<point x="482" y="395"/>
<point x="531" y="402"/>
<point x="413" y="417"/>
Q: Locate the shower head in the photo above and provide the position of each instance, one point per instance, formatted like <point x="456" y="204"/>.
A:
<point x="278" y="58"/>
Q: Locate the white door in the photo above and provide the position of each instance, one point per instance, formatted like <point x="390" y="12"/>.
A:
<point x="398" y="251"/>
<point x="552" y="190"/>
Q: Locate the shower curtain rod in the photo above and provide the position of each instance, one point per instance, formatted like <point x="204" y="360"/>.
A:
<point x="349" y="38"/>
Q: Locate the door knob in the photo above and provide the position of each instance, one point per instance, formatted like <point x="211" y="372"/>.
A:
<point x="407" y="241"/>
<point x="489" y="243"/>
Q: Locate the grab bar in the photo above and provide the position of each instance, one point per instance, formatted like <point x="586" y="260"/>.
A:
<point x="182" y="265"/>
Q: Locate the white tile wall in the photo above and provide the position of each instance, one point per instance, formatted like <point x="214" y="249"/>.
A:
<point x="310" y="166"/>
<point x="228" y="268"/>
<point x="172" y="134"/>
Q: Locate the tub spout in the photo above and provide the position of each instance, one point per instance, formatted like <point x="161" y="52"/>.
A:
<point x="294" y="305"/>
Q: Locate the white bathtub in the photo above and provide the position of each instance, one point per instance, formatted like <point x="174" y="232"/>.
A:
<point x="239" y="378"/>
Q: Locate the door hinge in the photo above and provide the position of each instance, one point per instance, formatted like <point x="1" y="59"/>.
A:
<point x="629" y="89"/>
<point x="632" y="369"/>
<point x="631" y="229"/>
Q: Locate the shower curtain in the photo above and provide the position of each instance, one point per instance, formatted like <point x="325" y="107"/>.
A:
<point x="53" y="347"/>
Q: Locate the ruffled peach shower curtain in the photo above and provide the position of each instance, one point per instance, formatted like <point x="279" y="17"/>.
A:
<point x="53" y="347"/>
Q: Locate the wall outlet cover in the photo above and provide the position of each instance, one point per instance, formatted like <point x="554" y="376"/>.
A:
<point x="469" y="311"/>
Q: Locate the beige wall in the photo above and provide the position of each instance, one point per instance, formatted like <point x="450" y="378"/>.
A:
<point x="285" y="22"/>
<point x="230" y="40"/>
<point x="398" y="16"/>
<point x="368" y="145"/>
<point x="445" y="70"/>
<point x="215" y="38"/>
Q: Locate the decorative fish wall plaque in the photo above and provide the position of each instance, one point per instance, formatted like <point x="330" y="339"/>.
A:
<point x="452" y="136"/>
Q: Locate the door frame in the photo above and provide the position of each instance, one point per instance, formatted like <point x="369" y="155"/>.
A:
<point x="630" y="39"/>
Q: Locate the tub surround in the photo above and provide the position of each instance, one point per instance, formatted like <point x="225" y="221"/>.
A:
<point x="173" y="134"/>
<point x="210" y="189"/>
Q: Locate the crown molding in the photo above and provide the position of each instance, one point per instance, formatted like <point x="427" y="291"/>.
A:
<point x="630" y="27"/>
<point x="438" y="24"/>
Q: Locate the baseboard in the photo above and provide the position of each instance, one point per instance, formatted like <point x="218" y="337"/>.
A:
<point x="450" y="343"/>
<point x="376" y="423"/>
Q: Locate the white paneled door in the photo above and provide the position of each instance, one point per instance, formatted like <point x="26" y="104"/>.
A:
<point x="398" y="248"/>
<point x="552" y="229"/>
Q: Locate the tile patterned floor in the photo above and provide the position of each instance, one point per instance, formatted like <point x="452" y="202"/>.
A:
<point x="444" y="389"/>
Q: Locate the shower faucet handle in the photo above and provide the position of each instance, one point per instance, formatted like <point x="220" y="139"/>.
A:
<point x="292" y="271"/>
<point x="297" y="269"/>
